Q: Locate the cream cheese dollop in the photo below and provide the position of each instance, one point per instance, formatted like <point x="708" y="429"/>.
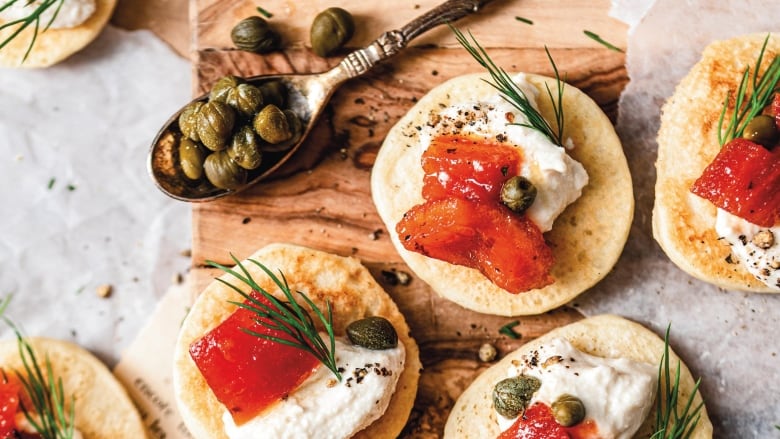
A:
<point x="558" y="178"/>
<point x="617" y="392"/>
<point x="755" y="247"/>
<point x="71" y="14"/>
<point x="325" y="408"/>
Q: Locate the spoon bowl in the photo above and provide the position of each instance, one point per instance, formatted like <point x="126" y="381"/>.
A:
<point x="307" y="95"/>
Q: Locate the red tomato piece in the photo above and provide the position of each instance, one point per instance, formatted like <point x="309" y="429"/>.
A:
<point x="467" y="168"/>
<point x="509" y="249"/>
<point x="537" y="423"/>
<point x="10" y="390"/>
<point x="744" y="180"/>
<point x="247" y="373"/>
<point x="586" y="429"/>
<point x="463" y="221"/>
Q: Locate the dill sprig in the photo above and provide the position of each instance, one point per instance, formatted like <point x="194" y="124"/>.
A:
<point x="4" y="304"/>
<point x="509" y="330"/>
<point x="47" y="415"/>
<point x="264" y="12"/>
<point x="34" y="19"/>
<point x="595" y="37"/>
<point x="746" y="108"/>
<point x="286" y="316"/>
<point x="669" y="422"/>
<point x="509" y="90"/>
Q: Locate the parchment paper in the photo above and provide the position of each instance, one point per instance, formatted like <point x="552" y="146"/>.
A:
<point x="729" y="339"/>
<point x="146" y="368"/>
<point x="77" y="209"/>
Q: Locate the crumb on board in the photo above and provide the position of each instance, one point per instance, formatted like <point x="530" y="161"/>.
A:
<point x="104" y="291"/>
<point x="487" y="353"/>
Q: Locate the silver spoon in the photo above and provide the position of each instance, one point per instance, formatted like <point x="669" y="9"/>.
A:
<point x="308" y="92"/>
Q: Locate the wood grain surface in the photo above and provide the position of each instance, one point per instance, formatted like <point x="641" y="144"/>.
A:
<point x="168" y="19"/>
<point x="322" y="199"/>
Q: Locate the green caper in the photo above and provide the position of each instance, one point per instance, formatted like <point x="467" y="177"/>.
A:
<point x="761" y="129"/>
<point x="330" y="29"/>
<point x="223" y="86"/>
<point x="253" y="34"/>
<point x="244" y="98"/>
<point x="294" y="121"/>
<point x="191" y="157"/>
<point x="518" y="193"/>
<point x="272" y="125"/>
<point x="214" y="124"/>
<point x="296" y="128"/>
<point x="274" y="92"/>
<point x="374" y="333"/>
<point x="512" y="395"/>
<point x="568" y="410"/>
<point x="188" y="120"/>
<point x="244" y="149"/>
<point x="223" y="172"/>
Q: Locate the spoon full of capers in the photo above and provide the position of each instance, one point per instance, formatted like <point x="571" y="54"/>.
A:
<point x="244" y="129"/>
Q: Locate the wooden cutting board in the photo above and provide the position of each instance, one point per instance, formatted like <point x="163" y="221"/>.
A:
<point x="323" y="200"/>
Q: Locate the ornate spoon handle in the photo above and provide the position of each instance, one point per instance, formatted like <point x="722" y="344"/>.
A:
<point x="391" y="42"/>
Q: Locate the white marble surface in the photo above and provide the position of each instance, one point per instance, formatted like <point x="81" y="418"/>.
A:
<point x="77" y="209"/>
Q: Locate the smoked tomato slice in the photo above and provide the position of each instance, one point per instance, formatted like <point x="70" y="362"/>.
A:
<point x="247" y="373"/>
<point x="10" y="391"/>
<point x="509" y="249"/>
<point x="538" y="422"/>
<point x="468" y="168"/>
<point x="463" y="221"/>
<point x="744" y="180"/>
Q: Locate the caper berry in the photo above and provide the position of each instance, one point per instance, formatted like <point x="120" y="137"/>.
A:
<point x="762" y="129"/>
<point x="253" y="34"/>
<point x="245" y="98"/>
<point x="568" y="410"/>
<point x="518" y="193"/>
<point x="244" y="149"/>
<point x="214" y="124"/>
<point x="296" y="128"/>
<point x="294" y="121"/>
<point x="223" y="86"/>
<point x="512" y="395"/>
<point x="191" y="157"/>
<point x="374" y="333"/>
<point x="274" y="92"/>
<point x="271" y="124"/>
<point x="188" y="120"/>
<point x="223" y="172"/>
<point x="330" y="29"/>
